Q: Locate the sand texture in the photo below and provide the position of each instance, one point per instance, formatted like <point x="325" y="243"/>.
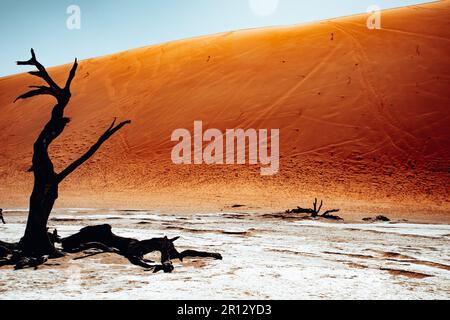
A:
<point x="363" y="114"/>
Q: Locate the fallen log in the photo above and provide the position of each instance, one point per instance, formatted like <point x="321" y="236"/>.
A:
<point x="103" y="239"/>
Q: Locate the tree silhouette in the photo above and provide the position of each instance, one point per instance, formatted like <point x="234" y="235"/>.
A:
<point x="35" y="242"/>
<point x="37" y="245"/>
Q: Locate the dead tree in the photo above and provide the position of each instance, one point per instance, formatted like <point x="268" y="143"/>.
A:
<point x="37" y="245"/>
<point x="315" y="211"/>
<point x="35" y="242"/>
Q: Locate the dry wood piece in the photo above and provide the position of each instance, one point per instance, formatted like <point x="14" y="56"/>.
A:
<point x="103" y="239"/>
<point x="379" y="218"/>
<point x="315" y="211"/>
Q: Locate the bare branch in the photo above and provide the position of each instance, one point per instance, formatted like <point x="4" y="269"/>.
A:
<point x="41" y="90"/>
<point x="30" y="62"/>
<point x="42" y="73"/>
<point x="329" y="212"/>
<point x="315" y="212"/>
<point x="103" y="138"/>
<point x="320" y="207"/>
<point x="112" y="125"/>
<point x="199" y="254"/>
<point x="72" y="73"/>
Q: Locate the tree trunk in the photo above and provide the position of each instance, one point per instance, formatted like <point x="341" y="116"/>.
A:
<point x="35" y="242"/>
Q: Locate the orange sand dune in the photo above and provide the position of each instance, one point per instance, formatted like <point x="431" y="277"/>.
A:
<point x="363" y="114"/>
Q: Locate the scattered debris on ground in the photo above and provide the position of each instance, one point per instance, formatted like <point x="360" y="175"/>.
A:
<point x="379" y="218"/>
<point x="315" y="212"/>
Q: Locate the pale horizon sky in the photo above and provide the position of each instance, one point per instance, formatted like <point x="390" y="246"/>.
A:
<point x="110" y="26"/>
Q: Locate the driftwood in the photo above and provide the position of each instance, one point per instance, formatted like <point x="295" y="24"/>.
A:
<point x="315" y="211"/>
<point x="103" y="239"/>
<point x="379" y="218"/>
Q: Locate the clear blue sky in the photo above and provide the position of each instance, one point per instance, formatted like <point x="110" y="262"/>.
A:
<point x="109" y="26"/>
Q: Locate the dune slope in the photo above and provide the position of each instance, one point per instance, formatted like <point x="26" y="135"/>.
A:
<point x="363" y="116"/>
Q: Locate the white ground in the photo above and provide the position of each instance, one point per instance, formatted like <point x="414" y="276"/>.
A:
<point x="264" y="258"/>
